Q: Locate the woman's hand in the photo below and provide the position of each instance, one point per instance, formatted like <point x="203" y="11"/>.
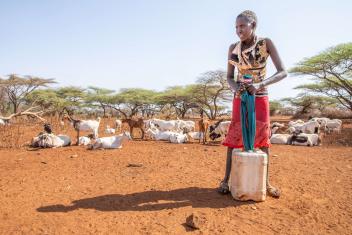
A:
<point x="252" y="89"/>
<point x="241" y="87"/>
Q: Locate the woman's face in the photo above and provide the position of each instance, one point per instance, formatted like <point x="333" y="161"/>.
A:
<point x="244" y="29"/>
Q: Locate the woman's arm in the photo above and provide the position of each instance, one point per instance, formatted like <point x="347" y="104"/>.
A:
<point x="280" y="68"/>
<point x="231" y="71"/>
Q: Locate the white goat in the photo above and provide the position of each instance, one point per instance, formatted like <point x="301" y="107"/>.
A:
<point x="2" y="123"/>
<point x="321" y="120"/>
<point x="85" y="125"/>
<point x="291" y="123"/>
<point x="274" y="130"/>
<point x="65" y="138"/>
<point x="147" y="124"/>
<point x="280" y="139"/>
<point x="275" y="126"/>
<point x="305" y="139"/>
<point x="109" y="130"/>
<point x="163" y="125"/>
<point x="185" y="126"/>
<point x="196" y="135"/>
<point x="118" y="124"/>
<point x="333" y="125"/>
<point x="45" y="140"/>
<point x="159" y="135"/>
<point x="111" y="142"/>
<point x="85" y="140"/>
<point x="310" y="127"/>
<point x="178" y="138"/>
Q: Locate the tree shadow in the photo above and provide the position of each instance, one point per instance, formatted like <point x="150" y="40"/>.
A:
<point x="151" y="201"/>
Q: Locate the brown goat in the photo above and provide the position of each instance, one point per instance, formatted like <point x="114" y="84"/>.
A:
<point x="203" y="127"/>
<point x="134" y="124"/>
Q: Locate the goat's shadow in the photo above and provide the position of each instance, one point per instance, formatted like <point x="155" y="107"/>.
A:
<point x="151" y="201"/>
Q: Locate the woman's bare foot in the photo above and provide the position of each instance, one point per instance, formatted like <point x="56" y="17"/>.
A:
<point x="272" y="191"/>
<point x="223" y="188"/>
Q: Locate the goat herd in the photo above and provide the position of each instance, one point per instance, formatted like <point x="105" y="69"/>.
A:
<point x="179" y="131"/>
<point x="308" y="133"/>
<point x="175" y="131"/>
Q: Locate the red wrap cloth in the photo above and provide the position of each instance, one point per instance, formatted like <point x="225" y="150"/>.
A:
<point x="262" y="134"/>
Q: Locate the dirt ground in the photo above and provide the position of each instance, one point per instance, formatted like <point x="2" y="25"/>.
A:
<point x="72" y="190"/>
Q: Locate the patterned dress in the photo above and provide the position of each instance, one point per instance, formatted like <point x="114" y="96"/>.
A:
<point x="250" y="61"/>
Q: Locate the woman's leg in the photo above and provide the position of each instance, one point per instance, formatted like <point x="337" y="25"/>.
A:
<point x="228" y="165"/>
<point x="224" y="186"/>
<point x="272" y="191"/>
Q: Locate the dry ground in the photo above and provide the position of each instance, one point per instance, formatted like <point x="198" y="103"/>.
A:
<point x="75" y="191"/>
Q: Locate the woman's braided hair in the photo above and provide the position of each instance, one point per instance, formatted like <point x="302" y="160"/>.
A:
<point x="250" y="16"/>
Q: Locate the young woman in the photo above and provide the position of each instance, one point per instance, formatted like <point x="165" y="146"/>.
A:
<point x="249" y="56"/>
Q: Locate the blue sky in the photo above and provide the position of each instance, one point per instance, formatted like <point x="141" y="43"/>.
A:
<point x="155" y="44"/>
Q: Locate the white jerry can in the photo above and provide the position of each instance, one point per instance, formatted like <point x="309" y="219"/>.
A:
<point x="248" y="175"/>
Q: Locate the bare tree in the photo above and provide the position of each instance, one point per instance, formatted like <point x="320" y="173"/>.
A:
<point x="17" y="88"/>
<point x="27" y="112"/>
<point x="211" y="89"/>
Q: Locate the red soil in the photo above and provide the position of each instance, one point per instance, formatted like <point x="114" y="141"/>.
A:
<point x="72" y="190"/>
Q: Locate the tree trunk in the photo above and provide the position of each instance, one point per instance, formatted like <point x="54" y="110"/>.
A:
<point x="104" y="110"/>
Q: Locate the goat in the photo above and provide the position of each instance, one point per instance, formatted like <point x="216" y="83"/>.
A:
<point x="159" y="135"/>
<point x="178" y="138"/>
<point x="118" y="125"/>
<point x="47" y="128"/>
<point x="62" y="124"/>
<point x="308" y="127"/>
<point x="299" y="121"/>
<point x="163" y="125"/>
<point x="185" y="126"/>
<point x="85" y="125"/>
<point x="280" y="138"/>
<point x="46" y="140"/>
<point x="329" y="125"/>
<point x="135" y="124"/>
<point x="85" y="140"/>
<point x="220" y="128"/>
<point x="333" y="125"/>
<point x="111" y="142"/>
<point x="203" y="127"/>
<point x="275" y="126"/>
<point x="195" y="135"/>
<point x="305" y="139"/>
<point x="109" y="130"/>
<point x="147" y="124"/>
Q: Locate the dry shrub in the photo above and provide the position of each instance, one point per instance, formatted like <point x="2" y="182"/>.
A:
<point x="11" y="136"/>
<point x="340" y="139"/>
<point x="336" y="113"/>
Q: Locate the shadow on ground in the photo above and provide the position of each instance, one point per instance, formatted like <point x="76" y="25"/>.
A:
<point x="151" y="201"/>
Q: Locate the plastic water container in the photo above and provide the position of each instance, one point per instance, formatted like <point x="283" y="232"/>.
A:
<point x="248" y="175"/>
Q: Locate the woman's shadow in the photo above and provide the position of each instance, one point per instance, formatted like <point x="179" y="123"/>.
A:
<point x="151" y="201"/>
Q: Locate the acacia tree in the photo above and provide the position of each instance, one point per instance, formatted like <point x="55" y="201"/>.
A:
<point x="331" y="70"/>
<point x="275" y="106"/>
<point x="129" y="101"/>
<point x="17" y="88"/>
<point x="211" y="91"/>
<point x="48" y="100"/>
<point x="99" y="97"/>
<point x="73" y="97"/>
<point x="179" y="97"/>
<point x="305" y="103"/>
